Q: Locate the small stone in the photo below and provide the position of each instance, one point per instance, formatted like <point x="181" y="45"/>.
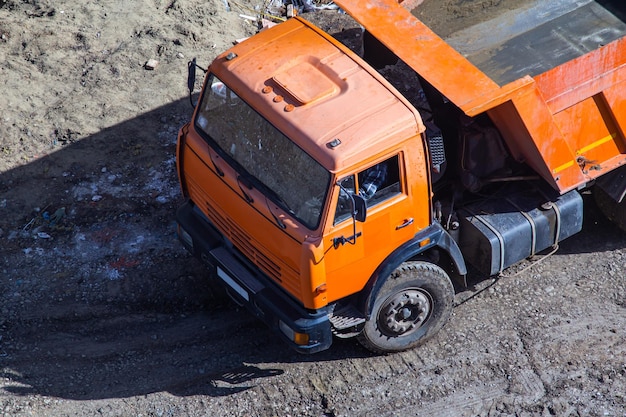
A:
<point x="151" y="64"/>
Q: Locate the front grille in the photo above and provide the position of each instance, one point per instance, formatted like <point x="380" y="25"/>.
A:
<point x="244" y="242"/>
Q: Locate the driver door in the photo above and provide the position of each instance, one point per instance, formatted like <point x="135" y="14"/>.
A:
<point x="388" y="225"/>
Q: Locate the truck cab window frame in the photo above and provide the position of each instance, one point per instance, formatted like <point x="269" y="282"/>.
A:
<point x="377" y="183"/>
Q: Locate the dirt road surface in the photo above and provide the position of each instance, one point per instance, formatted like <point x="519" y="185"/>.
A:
<point x="104" y="314"/>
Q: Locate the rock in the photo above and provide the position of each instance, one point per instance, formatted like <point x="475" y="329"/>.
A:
<point x="151" y="65"/>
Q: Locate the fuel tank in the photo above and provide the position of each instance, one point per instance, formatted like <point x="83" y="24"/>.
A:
<point x="502" y="230"/>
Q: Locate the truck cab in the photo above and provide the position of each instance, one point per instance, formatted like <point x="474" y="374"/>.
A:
<point x="304" y="171"/>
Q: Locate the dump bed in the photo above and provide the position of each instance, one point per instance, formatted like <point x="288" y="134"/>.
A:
<point x="551" y="75"/>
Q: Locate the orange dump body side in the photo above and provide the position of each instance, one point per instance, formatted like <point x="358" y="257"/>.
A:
<point x="568" y="123"/>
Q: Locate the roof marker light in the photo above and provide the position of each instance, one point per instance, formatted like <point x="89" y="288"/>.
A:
<point x="334" y="143"/>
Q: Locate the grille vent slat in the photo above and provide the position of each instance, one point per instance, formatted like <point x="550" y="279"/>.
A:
<point x="244" y="242"/>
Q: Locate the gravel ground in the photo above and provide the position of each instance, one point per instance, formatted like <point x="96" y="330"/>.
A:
<point x="104" y="314"/>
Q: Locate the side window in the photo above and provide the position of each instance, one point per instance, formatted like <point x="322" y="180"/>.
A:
<point x="344" y="205"/>
<point x="380" y="182"/>
<point x="376" y="184"/>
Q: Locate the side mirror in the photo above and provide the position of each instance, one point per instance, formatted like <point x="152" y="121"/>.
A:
<point x="191" y="75"/>
<point x="360" y="208"/>
<point x="191" y="78"/>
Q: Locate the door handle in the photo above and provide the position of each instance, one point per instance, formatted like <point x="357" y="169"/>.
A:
<point x="406" y="223"/>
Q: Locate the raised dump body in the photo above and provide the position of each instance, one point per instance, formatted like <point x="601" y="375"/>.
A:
<point x="550" y="75"/>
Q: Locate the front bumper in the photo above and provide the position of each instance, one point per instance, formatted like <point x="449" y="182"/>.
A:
<point x="306" y="331"/>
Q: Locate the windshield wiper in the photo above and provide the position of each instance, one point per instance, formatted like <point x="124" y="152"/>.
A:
<point x="243" y="181"/>
<point x="252" y="182"/>
<point x="273" y="194"/>
<point x="278" y="221"/>
<point x="218" y="170"/>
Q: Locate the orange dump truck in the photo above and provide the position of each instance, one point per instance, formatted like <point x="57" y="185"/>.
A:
<point x="333" y="205"/>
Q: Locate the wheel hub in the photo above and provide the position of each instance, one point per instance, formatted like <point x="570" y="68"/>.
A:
<point x="404" y="312"/>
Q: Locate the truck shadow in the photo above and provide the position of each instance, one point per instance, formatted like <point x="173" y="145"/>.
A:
<point x="101" y="301"/>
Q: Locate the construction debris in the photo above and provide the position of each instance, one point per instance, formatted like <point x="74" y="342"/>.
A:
<point x="281" y="10"/>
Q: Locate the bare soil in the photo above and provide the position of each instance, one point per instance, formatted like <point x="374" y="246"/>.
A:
<point x="104" y="314"/>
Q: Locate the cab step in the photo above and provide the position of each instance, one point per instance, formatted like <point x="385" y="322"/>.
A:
<point x="346" y="321"/>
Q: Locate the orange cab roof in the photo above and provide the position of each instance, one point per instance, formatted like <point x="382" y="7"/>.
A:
<point x="318" y="93"/>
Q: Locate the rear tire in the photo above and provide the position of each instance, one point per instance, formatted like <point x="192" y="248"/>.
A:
<point x="412" y="305"/>
<point x="612" y="210"/>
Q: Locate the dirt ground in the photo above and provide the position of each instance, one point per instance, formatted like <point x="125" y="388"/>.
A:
<point x="104" y="314"/>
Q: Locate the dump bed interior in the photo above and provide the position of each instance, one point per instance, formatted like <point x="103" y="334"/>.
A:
<point x="513" y="38"/>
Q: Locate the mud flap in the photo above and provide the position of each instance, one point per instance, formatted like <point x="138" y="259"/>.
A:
<point x="614" y="184"/>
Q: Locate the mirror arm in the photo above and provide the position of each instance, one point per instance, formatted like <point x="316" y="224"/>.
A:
<point x="341" y="240"/>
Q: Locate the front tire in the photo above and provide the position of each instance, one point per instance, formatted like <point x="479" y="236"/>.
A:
<point x="412" y="305"/>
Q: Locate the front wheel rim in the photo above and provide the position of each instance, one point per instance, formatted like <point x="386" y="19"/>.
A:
<point x="404" y="312"/>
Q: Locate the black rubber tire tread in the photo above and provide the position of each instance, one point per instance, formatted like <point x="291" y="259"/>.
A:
<point x="423" y="275"/>
<point x="611" y="209"/>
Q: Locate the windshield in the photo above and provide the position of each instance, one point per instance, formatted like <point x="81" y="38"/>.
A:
<point x="265" y="158"/>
